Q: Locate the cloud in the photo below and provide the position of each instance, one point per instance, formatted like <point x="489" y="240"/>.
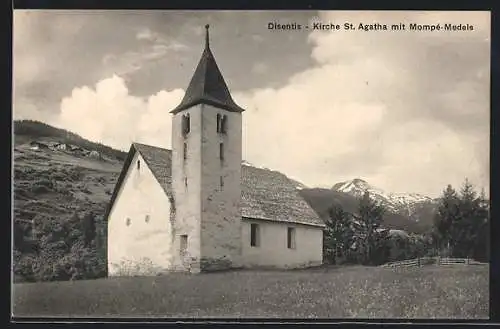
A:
<point x="407" y="111"/>
<point x="257" y="38"/>
<point x="196" y="30"/>
<point x="429" y="151"/>
<point x="155" y="47"/>
<point x="32" y="40"/>
<point x="146" y="34"/>
<point x="109" y="114"/>
<point x="260" y="68"/>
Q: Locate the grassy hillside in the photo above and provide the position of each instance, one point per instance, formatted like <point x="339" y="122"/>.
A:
<point x="322" y="199"/>
<point x="54" y="183"/>
<point x="351" y="292"/>
<point x="57" y="184"/>
<point x="27" y="130"/>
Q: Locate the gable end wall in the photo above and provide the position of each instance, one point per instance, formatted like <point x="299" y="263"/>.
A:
<point x="143" y="247"/>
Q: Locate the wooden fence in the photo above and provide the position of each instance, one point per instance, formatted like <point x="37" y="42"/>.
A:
<point x="441" y="261"/>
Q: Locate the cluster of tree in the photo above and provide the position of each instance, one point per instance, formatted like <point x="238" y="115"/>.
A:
<point x="460" y="229"/>
<point x="461" y="224"/>
<point x="56" y="249"/>
<point x="356" y="238"/>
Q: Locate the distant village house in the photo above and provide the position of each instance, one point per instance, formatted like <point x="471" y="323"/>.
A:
<point x="95" y="154"/>
<point x="74" y="148"/>
<point x="36" y="145"/>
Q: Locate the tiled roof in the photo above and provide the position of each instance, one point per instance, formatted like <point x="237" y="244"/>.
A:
<point x="159" y="161"/>
<point x="266" y="195"/>
<point x="207" y="85"/>
<point x="270" y="195"/>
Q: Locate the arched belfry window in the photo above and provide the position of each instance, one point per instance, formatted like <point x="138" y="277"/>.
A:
<point x="223" y="126"/>
<point x="221" y="123"/>
<point x="186" y="124"/>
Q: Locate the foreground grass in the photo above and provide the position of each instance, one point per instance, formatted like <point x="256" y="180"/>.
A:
<point x="359" y="292"/>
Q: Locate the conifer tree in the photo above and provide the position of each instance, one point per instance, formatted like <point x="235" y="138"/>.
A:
<point x="462" y="221"/>
<point x="370" y="219"/>
<point x="472" y="220"/>
<point x="446" y="215"/>
<point x="464" y="227"/>
<point x="338" y="236"/>
<point x="482" y="245"/>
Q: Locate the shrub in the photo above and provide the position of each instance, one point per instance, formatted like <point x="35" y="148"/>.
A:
<point x="67" y="250"/>
<point x="39" y="189"/>
<point x="25" y="267"/>
<point x="58" y="175"/>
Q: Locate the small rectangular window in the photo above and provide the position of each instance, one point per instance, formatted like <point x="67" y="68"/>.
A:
<point x="221" y="182"/>
<point x="185" y="151"/>
<point x="254" y="235"/>
<point x="183" y="244"/>
<point x="138" y="164"/>
<point x="218" y="122"/>
<point x="221" y="151"/>
<point x="291" y="238"/>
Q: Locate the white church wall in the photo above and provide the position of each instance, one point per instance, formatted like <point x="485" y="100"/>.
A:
<point x="272" y="249"/>
<point x="138" y="225"/>
<point x="186" y="177"/>
<point x="221" y="203"/>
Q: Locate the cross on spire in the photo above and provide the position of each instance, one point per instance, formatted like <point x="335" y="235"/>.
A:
<point x="207" y="38"/>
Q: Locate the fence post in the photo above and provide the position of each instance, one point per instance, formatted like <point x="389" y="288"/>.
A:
<point x="467" y="261"/>
<point x="418" y="262"/>
<point x="438" y="260"/>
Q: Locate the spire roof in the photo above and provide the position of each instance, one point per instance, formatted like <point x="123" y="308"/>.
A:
<point x="207" y="85"/>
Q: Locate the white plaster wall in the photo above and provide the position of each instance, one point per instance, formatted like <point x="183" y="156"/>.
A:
<point x="187" y="198"/>
<point x="273" y="251"/>
<point x="221" y="209"/>
<point x="140" y="248"/>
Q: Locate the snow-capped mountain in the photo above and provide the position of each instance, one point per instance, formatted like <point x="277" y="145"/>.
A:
<point x="407" y="204"/>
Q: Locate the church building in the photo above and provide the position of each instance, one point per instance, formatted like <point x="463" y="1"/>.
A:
<point x="199" y="207"/>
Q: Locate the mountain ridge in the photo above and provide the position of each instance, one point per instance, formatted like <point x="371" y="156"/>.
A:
<point x="406" y="204"/>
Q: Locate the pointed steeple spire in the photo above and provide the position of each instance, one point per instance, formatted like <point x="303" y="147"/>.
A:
<point x="207" y="85"/>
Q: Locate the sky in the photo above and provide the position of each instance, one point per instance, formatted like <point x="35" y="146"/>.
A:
<point x="407" y="111"/>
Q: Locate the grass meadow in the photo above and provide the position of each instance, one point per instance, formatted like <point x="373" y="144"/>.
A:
<point x="459" y="292"/>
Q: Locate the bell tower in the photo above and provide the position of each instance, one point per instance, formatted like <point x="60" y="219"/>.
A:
<point x="206" y="172"/>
